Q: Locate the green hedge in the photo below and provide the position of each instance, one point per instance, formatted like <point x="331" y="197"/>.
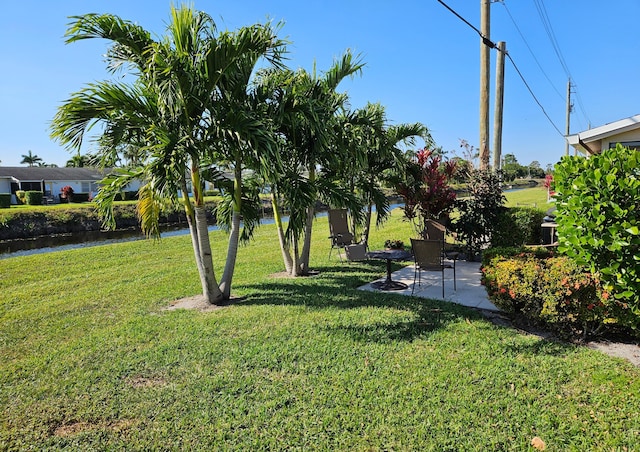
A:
<point x="598" y="220"/>
<point x="80" y="197"/>
<point x="5" y="200"/>
<point x="551" y="290"/>
<point x="33" y="198"/>
<point x="128" y="196"/>
<point x="518" y="226"/>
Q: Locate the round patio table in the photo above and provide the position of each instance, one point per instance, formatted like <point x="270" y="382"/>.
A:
<point x="389" y="256"/>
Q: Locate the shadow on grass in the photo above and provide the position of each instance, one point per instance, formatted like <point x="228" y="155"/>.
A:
<point x="336" y="288"/>
<point x="546" y="346"/>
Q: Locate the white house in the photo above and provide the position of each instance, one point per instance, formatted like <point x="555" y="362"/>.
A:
<point x="51" y="180"/>
<point x="594" y="141"/>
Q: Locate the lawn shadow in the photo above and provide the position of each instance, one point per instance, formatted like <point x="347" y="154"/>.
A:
<point x="336" y="287"/>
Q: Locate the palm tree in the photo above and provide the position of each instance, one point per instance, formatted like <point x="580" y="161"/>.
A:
<point x="379" y="154"/>
<point x="172" y="113"/>
<point x="78" y="161"/>
<point x="30" y="159"/>
<point x="304" y="108"/>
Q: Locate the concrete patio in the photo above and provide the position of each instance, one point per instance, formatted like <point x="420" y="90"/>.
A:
<point x="469" y="290"/>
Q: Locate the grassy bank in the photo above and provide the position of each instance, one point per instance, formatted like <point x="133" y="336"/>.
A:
<point x="90" y="360"/>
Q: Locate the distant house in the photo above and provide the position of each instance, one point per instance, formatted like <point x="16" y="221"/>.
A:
<point x="51" y="180"/>
<point x="594" y="141"/>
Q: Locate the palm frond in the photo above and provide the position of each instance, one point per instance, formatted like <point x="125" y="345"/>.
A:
<point x="131" y="42"/>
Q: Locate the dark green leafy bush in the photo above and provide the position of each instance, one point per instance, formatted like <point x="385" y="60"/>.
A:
<point x="516" y="226"/>
<point x="128" y="195"/>
<point x="33" y="198"/>
<point x="550" y="290"/>
<point x="480" y="210"/>
<point x="80" y="197"/>
<point x="598" y="216"/>
<point x="5" y="200"/>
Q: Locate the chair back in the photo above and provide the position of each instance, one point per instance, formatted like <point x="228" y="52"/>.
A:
<point x="434" y="230"/>
<point x="427" y="253"/>
<point x="339" y="227"/>
<point x="357" y="252"/>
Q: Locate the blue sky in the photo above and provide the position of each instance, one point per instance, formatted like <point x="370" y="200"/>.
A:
<point x="422" y="63"/>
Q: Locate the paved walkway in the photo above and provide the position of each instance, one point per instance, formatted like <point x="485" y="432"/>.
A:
<point x="469" y="290"/>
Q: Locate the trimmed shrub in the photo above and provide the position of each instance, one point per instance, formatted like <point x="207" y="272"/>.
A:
<point x="20" y="197"/>
<point x="598" y="218"/>
<point x="80" y="197"/>
<point x="550" y="290"/>
<point x="33" y="198"/>
<point x="127" y="195"/>
<point x="5" y="200"/>
<point x="517" y="226"/>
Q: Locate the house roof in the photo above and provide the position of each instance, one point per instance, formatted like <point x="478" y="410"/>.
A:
<point x="38" y="173"/>
<point x="589" y="140"/>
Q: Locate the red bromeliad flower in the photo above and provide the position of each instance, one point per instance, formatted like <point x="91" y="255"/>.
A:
<point x="426" y="189"/>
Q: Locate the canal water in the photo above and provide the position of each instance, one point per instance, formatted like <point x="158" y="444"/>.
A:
<point x="59" y="242"/>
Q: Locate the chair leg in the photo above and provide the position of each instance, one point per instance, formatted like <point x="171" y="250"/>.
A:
<point x="416" y="270"/>
<point x="454" y="276"/>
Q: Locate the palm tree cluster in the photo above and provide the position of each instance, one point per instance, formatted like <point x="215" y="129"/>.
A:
<point x="206" y="104"/>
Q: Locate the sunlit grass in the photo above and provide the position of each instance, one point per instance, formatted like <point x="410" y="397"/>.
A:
<point x="528" y="197"/>
<point x="89" y="360"/>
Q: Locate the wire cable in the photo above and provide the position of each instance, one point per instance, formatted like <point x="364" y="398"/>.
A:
<point x="530" y="50"/>
<point x="532" y="94"/>
<point x="493" y="46"/>
<point x="544" y="17"/>
<point x="485" y="39"/>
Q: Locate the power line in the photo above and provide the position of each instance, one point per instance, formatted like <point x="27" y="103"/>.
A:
<point x="532" y="94"/>
<point x="485" y="39"/>
<point x="493" y="46"/>
<point x="530" y="50"/>
<point x="544" y="17"/>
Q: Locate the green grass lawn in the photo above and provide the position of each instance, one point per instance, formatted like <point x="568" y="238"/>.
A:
<point x="529" y="197"/>
<point x="90" y="360"/>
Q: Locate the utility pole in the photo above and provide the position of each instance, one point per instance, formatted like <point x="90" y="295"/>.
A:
<point x="485" y="61"/>
<point x="569" y="107"/>
<point x="497" y="114"/>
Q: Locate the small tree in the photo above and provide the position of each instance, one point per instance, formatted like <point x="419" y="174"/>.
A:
<point x="599" y="223"/>
<point x="425" y="188"/>
<point x="480" y="210"/>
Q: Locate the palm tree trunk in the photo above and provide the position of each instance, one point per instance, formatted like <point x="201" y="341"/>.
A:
<point x="202" y="251"/>
<point x="295" y="267"/>
<point x="367" y="225"/>
<point x="284" y="246"/>
<point x="210" y="288"/>
<point x="306" y="247"/>
<point x="234" y="234"/>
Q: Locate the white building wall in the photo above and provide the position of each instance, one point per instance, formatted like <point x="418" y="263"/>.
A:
<point x="633" y="135"/>
<point x="5" y="185"/>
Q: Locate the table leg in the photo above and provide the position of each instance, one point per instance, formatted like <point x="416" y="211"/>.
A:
<point x="389" y="284"/>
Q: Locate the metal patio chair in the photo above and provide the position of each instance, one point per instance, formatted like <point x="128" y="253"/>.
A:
<point x="429" y="256"/>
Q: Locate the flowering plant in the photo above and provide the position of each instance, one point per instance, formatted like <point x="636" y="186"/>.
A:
<point x="394" y="244"/>
<point x="67" y="192"/>
<point x="425" y="188"/>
